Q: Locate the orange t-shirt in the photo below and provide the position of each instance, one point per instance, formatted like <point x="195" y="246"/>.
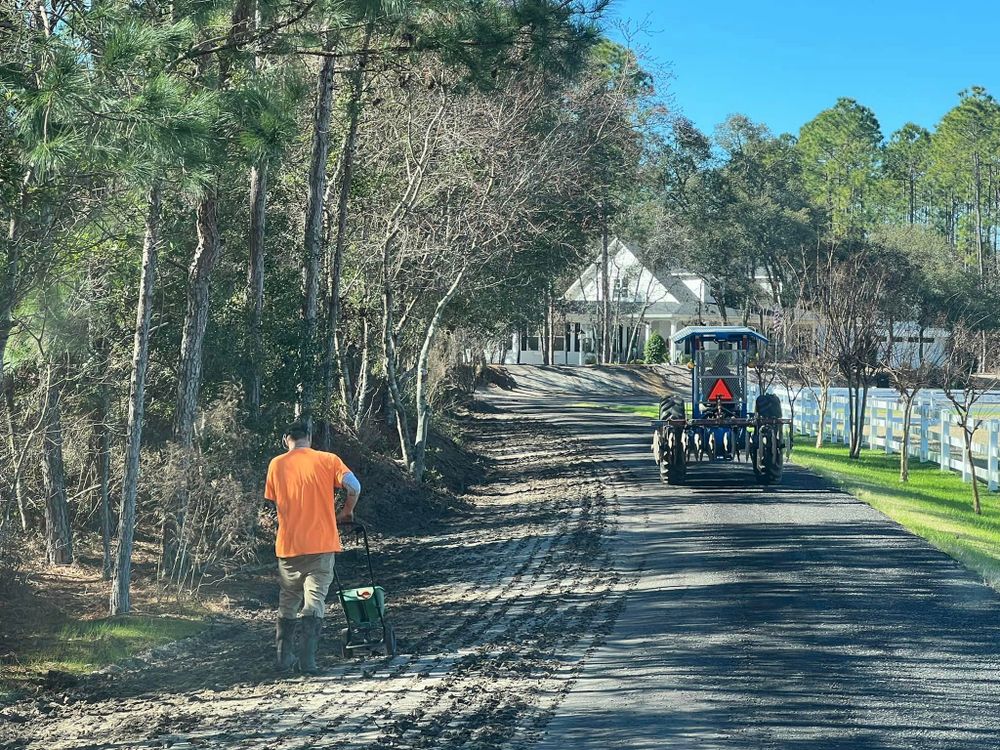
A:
<point x="301" y="484"/>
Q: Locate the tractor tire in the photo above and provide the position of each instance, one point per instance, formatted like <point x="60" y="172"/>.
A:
<point x="666" y="406"/>
<point x="768" y="406"/>
<point x="771" y="455"/>
<point x="673" y="463"/>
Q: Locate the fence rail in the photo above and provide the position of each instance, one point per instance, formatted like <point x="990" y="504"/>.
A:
<point x="935" y="431"/>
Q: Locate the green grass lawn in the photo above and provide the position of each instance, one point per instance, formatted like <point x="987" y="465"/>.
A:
<point x="82" y="647"/>
<point x="934" y="504"/>
<point x="653" y="412"/>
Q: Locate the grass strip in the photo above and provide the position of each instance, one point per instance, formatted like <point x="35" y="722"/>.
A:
<point x="77" y="648"/>
<point x="934" y="504"/>
<point x="653" y="412"/>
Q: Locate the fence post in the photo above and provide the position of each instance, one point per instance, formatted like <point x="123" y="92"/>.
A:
<point x="945" y="458"/>
<point x="870" y="421"/>
<point x="925" y="442"/>
<point x="993" y="455"/>
<point x="843" y="424"/>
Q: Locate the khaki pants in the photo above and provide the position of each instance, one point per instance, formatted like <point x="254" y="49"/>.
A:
<point x="304" y="581"/>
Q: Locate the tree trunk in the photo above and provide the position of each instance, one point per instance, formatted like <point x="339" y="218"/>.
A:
<point x="392" y="381"/>
<point x="605" y="353"/>
<point x="8" y="294"/>
<point x="313" y="254"/>
<point x="255" y="288"/>
<point x="419" y="461"/>
<point x="976" y="507"/>
<point x="852" y="415"/>
<point x="860" y="403"/>
<point x="904" y="454"/>
<point x="103" y="437"/>
<point x="58" y="535"/>
<point x="361" y="398"/>
<point x="791" y="416"/>
<point x="547" y="328"/>
<point x="13" y="441"/>
<point x="206" y="257"/>
<point x="824" y="400"/>
<point x="977" y="190"/>
<point x="122" y="575"/>
<point x="334" y="358"/>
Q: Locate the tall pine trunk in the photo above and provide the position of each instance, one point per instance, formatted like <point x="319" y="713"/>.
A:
<point x="58" y="535"/>
<point x="122" y="575"/>
<point x="334" y="358"/>
<point x="13" y="443"/>
<point x="313" y="254"/>
<point x="8" y="291"/>
<point x="206" y="257"/>
<point x="102" y="439"/>
<point x="255" y="289"/>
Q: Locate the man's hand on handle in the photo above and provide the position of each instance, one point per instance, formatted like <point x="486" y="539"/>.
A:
<point x="346" y="514"/>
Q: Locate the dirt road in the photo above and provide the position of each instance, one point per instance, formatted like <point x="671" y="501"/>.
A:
<point x="495" y="615"/>
<point x="584" y="604"/>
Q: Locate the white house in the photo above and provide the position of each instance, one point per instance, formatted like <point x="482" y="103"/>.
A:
<point x="643" y="300"/>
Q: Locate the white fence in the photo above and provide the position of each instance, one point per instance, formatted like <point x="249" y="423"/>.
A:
<point x="935" y="432"/>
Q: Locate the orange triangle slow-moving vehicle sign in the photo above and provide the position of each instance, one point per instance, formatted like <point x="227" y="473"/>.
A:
<point x="720" y="391"/>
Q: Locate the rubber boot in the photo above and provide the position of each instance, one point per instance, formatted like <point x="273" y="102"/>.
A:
<point x="309" y="640"/>
<point x="285" y="633"/>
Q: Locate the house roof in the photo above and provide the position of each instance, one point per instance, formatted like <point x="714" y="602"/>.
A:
<point x="662" y="293"/>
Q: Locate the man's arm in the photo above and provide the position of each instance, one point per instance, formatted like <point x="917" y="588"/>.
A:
<point x="352" y="487"/>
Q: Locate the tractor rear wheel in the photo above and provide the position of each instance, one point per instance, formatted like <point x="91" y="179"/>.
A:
<point x="666" y="406"/>
<point x="767" y="451"/>
<point x="768" y="406"/>
<point x="673" y="466"/>
<point x="771" y="456"/>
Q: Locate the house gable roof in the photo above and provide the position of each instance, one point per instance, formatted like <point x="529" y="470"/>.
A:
<point x="669" y="293"/>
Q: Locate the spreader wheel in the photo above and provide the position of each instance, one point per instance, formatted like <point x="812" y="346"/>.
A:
<point x="342" y="641"/>
<point x="390" y="640"/>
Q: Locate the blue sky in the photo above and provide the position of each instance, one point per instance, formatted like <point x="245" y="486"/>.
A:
<point x="781" y="63"/>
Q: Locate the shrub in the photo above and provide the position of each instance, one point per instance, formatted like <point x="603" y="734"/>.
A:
<point x="656" y="349"/>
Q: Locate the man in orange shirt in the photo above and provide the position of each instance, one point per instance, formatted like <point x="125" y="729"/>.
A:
<point x="301" y="483"/>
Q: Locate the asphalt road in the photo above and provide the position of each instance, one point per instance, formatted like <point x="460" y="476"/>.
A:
<point x="793" y="617"/>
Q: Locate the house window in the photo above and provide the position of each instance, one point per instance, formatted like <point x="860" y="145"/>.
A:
<point x="528" y="343"/>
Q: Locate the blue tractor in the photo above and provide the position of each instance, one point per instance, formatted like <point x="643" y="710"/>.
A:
<point x="721" y="426"/>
